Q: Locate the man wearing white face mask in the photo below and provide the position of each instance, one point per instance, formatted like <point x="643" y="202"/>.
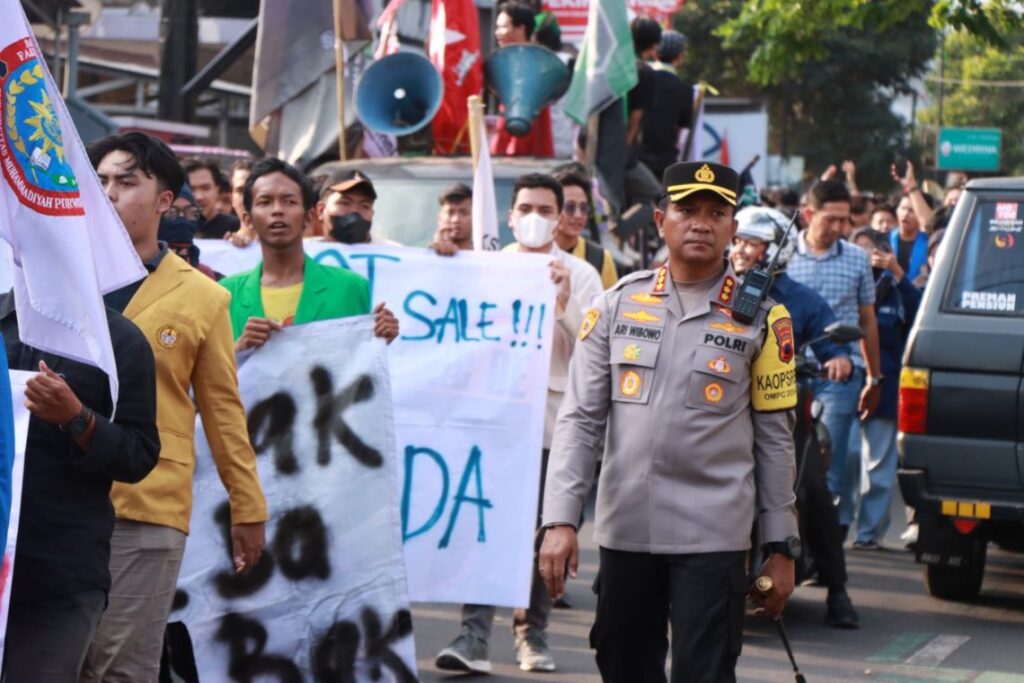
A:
<point x="537" y="201"/>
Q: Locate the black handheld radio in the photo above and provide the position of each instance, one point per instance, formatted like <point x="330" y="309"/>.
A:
<point x="756" y="284"/>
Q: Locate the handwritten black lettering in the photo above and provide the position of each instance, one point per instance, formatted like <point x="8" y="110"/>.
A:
<point x="328" y="420"/>
<point x="300" y="544"/>
<point x="246" y="640"/>
<point x="279" y="411"/>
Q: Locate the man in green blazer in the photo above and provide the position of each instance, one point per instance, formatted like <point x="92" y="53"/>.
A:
<point x="288" y="287"/>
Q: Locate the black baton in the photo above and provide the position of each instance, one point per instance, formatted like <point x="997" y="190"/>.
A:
<point x="789" y="651"/>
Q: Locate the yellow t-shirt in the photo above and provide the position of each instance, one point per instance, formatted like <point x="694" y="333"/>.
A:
<point x="280" y="303"/>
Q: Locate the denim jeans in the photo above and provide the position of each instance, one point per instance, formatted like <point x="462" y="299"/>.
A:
<point x="839" y="400"/>
<point x="878" y="476"/>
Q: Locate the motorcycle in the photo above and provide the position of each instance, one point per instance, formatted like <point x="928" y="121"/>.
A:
<point x="811" y="441"/>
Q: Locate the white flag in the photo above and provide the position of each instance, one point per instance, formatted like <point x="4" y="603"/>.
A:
<point x="485" y="211"/>
<point x="68" y="241"/>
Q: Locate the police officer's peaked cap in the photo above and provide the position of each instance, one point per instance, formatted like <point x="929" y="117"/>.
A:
<point x="683" y="179"/>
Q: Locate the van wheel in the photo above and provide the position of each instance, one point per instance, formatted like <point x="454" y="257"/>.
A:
<point x="958" y="583"/>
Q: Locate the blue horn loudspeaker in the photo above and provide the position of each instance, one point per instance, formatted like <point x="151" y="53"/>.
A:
<point x="399" y="94"/>
<point x="526" y="78"/>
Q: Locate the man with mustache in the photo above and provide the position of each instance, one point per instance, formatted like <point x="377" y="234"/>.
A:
<point x="693" y="409"/>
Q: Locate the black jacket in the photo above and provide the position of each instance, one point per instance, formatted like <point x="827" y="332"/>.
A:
<point x="66" y="515"/>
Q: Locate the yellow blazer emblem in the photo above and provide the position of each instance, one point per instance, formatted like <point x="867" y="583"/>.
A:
<point x="631" y="352"/>
<point x="642" y="317"/>
<point x="729" y="327"/>
<point x="589" y="322"/>
<point x="167" y="336"/>
<point x="645" y="298"/>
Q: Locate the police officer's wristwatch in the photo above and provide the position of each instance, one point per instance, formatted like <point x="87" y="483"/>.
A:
<point x="790" y="547"/>
<point x="875" y="381"/>
<point x="77" y="425"/>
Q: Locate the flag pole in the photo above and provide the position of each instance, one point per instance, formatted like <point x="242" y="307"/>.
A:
<point x="476" y="113"/>
<point x="697" y="104"/>
<point x="339" y="65"/>
<point x="590" y="153"/>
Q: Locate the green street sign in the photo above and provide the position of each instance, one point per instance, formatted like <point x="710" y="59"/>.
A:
<point x="969" y="149"/>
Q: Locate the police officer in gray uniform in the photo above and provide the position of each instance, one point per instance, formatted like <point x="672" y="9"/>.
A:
<point x="695" y="409"/>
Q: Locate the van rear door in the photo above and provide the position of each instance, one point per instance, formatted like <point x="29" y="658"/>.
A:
<point x="971" y="337"/>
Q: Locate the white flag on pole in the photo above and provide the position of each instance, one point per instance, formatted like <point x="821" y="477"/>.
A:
<point x="485" y="211"/>
<point x="68" y="241"/>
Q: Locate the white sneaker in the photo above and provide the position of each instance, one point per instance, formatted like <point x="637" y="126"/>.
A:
<point x="532" y="652"/>
<point x="465" y="653"/>
<point x="909" y="537"/>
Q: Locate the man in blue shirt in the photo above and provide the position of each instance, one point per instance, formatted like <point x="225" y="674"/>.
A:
<point x="841" y="273"/>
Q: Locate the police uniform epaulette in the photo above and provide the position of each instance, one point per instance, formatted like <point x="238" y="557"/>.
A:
<point x="632" y="277"/>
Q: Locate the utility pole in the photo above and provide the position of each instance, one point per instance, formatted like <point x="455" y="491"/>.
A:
<point x="179" y="29"/>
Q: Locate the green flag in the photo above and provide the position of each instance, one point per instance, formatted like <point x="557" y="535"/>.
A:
<point x="606" y="67"/>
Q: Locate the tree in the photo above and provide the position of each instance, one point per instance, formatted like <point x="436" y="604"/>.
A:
<point x="980" y="91"/>
<point x="836" y="102"/>
<point x="784" y="35"/>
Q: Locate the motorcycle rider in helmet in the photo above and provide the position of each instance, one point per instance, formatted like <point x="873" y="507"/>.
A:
<point x="757" y="240"/>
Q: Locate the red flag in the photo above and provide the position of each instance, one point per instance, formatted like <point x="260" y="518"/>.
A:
<point x="455" y="51"/>
<point x="724" y="153"/>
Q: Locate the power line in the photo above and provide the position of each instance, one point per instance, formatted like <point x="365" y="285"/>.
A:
<point x="975" y="82"/>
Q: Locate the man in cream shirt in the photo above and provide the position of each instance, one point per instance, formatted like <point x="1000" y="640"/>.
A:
<point x="537" y="201"/>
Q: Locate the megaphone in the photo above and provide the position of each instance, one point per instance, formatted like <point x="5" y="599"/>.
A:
<point x="526" y="78"/>
<point x="399" y="94"/>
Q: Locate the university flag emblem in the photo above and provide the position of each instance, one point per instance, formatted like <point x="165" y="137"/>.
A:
<point x="69" y="245"/>
<point x="31" y="142"/>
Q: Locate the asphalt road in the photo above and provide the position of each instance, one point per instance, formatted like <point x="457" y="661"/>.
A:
<point x="905" y="635"/>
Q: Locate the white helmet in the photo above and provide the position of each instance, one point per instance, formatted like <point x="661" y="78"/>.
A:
<point x="766" y="225"/>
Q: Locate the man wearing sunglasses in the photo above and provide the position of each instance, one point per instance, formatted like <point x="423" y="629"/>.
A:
<point x="575" y="216"/>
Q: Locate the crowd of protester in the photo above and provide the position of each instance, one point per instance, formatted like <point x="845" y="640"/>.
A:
<point x="855" y="257"/>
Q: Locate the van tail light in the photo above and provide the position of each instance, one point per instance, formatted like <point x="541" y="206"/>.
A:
<point x="913" y="410"/>
<point x="965" y="526"/>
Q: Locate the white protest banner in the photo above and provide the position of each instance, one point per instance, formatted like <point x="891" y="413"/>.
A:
<point x="327" y="601"/>
<point x="470" y="374"/>
<point x="12" y="464"/>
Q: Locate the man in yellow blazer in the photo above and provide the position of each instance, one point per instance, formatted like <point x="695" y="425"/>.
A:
<point x="184" y="315"/>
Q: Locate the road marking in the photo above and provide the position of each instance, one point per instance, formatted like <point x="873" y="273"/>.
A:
<point x="904" y="673"/>
<point x="996" y="677"/>
<point x="901" y="647"/>
<point x="937" y="650"/>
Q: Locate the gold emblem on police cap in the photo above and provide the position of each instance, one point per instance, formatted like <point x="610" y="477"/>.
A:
<point x="167" y="336"/>
<point x="704" y="174"/>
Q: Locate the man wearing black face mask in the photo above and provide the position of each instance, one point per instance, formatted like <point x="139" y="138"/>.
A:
<point x="179" y="234"/>
<point x="346" y="210"/>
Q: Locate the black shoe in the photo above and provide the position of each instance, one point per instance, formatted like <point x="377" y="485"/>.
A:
<point x="563" y="602"/>
<point x="840" y="612"/>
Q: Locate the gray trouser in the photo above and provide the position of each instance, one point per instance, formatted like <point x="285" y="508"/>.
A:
<point x="46" y="640"/>
<point x="478" y="619"/>
<point x="144" y="564"/>
<point x="641" y="185"/>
